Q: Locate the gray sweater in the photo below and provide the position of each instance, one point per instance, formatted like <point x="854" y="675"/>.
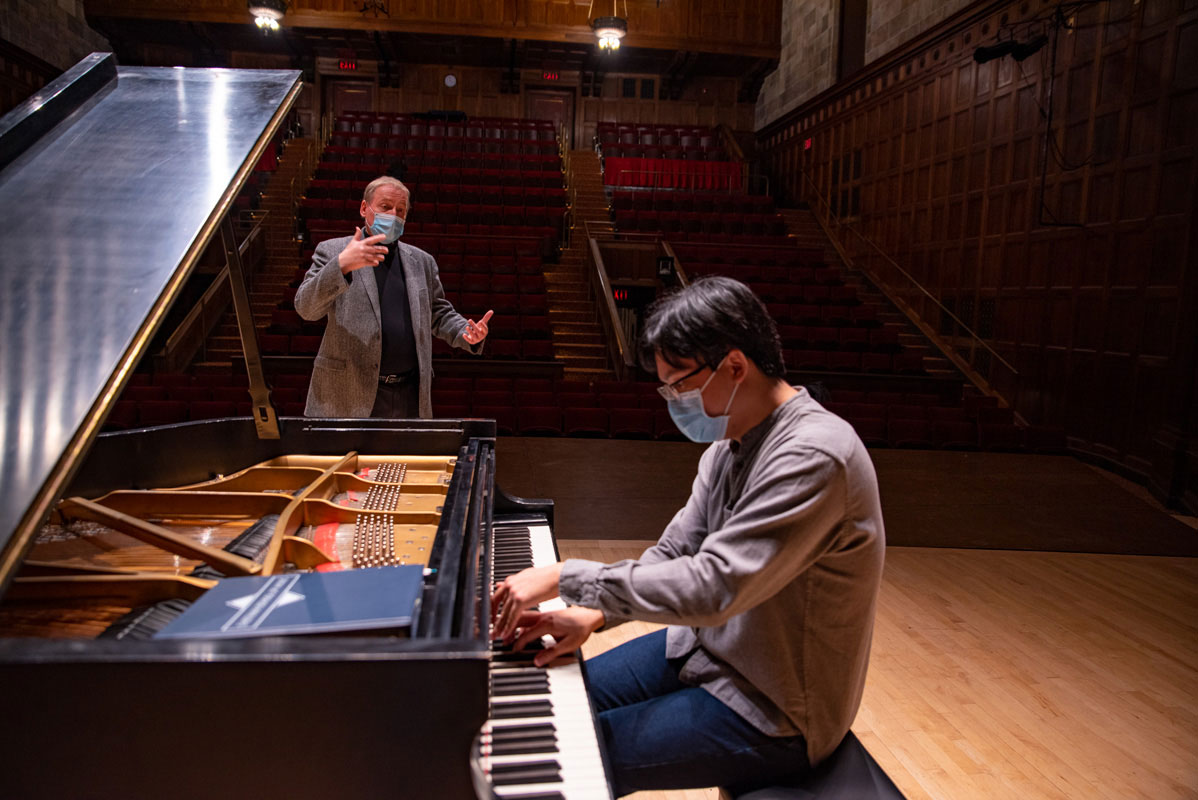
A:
<point x="767" y="577"/>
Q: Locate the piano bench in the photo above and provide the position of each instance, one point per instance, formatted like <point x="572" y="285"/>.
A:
<point x="850" y="773"/>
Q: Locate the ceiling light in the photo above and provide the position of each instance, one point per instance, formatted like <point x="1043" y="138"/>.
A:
<point x="610" y="30"/>
<point x="267" y="13"/>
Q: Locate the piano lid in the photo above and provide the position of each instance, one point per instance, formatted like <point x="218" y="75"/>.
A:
<point x="112" y="181"/>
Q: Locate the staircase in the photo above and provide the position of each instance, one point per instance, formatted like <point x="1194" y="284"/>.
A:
<point x="807" y="233"/>
<point x="283" y="256"/>
<point x="578" y="339"/>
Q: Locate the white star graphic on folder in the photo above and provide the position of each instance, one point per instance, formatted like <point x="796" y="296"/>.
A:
<point x="285" y="599"/>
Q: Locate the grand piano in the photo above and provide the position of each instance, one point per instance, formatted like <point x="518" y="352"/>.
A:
<point x="113" y="180"/>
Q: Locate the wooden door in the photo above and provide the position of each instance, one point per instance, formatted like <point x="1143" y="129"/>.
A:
<point x="552" y="104"/>
<point x="341" y="95"/>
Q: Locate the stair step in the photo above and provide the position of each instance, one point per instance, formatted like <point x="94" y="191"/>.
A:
<point x="574" y="362"/>
<point x="561" y="339"/>
<point x="558" y="296"/>
<point x="570" y="316"/>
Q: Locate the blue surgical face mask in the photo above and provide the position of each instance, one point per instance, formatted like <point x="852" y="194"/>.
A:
<point x="691" y="418"/>
<point x="389" y="225"/>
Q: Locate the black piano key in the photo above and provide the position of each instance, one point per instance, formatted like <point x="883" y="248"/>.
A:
<point x="522" y="708"/>
<point x="526" y="772"/>
<point x="524" y="747"/>
<point x="527" y="730"/>
<point x="519" y="678"/>
<point x="535" y="796"/>
<point x="520" y="688"/>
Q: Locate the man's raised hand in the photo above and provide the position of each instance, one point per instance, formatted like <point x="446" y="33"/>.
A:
<point x="362" y="252"/>
<point x="477" y="331"/>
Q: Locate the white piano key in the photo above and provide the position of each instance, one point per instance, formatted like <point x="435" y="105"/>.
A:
<point x="577" y="746"/>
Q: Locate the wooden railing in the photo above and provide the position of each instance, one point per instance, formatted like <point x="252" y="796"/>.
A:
<point x="191" y="335"/>
<point x="962" y="346"/>
<point x="622" y="359"/>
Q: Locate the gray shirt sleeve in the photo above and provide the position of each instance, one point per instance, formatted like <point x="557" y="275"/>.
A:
<point x="784" y="521"/>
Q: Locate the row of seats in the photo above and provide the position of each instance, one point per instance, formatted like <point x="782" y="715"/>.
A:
<point x="854" y="361"/>
<point x="355" y="166"/>
<point x="451" y="144"/>
<point x="527" y="307"/>
<point x="680" y="200"/>
<point x="846" y="337"/>
<point x="501" y="349"/>
<point x="539" y="240"/>
<point x="462" y="213"/>
<point x="424" y="193"/>
<point x="754" y="274"/>
<point x="744" y="257"/>
<point x="404" y="125"/>
<point x="698" y="222"/>
<point x="673" y="153"/>
<point x="663" y="135"/>
<point x="478" y="280"/>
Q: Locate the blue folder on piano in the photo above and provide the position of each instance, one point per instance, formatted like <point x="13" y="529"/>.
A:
<point x="298" y="603"/>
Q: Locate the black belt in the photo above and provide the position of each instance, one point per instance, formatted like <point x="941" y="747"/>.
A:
<point x="398" y="378"/>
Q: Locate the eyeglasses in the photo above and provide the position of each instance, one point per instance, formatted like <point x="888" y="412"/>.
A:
<point x="670" y="390"/>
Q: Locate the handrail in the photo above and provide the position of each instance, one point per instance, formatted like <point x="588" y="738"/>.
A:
<point x="831" y="219"/>
<point x="192" y="331"/>
<point x="683" y="278"/>
<point x="622" y="356"/>
<point x="730" y="144"/>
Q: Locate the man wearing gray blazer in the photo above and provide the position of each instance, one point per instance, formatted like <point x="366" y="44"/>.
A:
<point x="376" y="355"/>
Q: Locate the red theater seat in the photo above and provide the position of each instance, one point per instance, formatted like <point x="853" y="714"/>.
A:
<point x="589" y="422"/>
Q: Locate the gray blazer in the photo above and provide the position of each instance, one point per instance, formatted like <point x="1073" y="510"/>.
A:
<point x="345" y="374"/>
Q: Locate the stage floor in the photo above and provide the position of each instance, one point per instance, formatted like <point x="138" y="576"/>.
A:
<point x="620" y="489"/>
<point x="1023" y="675"/>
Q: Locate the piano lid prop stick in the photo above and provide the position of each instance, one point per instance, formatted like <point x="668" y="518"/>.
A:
<point x="148" y="532"/>
<point x="135" y="590"/>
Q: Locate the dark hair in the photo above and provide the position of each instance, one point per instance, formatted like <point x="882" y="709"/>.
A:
<point x="707" y="319"/>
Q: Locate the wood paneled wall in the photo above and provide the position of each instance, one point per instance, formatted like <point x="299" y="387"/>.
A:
<point x="21" y="74"/>
<point x="1093" y="295"/>
<point x="717" y="26"/>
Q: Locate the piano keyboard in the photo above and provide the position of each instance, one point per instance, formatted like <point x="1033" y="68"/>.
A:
<point x="540" y="742"/>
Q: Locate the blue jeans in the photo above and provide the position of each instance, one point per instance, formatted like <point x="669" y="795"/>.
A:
<point x="663" y="734"/>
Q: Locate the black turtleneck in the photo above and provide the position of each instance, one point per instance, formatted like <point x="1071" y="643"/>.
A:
<point x="399" y="340"/>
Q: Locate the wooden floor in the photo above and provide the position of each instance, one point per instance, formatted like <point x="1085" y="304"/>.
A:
<point x="1007" y="674"/>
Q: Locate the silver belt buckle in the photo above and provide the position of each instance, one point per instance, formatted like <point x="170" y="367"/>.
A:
<point x="388" y="379"/>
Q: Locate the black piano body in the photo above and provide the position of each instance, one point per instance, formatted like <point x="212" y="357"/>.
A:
<point x="303" y="717"/>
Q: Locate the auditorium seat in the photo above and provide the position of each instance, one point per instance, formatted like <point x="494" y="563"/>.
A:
<point x="632" y="423"/>
<point x="504" y="416"/>
<point x="539" y="421"/>
<point x="585" y="422"/>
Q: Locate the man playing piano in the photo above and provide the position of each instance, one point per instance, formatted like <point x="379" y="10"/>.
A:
<point x="375" y="359"/>
<point x="767" y="578"/>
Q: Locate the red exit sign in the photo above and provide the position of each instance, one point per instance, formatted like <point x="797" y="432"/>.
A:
<point x="550" y="75"/>
<point x="348" y="64"/>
